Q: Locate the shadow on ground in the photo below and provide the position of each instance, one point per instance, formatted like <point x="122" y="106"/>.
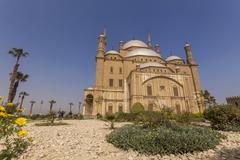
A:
<point x="227" y="154"/>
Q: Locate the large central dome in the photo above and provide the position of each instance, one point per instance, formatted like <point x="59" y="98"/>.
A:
<point x="142" y="52"/>
<point x="134" y="43"/>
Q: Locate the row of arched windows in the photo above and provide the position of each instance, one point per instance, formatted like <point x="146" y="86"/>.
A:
<point x="110" y="108"/>
<point x="120" y="70"/>
<point x="162" y="88"/>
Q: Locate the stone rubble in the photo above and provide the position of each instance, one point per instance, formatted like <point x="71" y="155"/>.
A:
<point x="85" y="140"/>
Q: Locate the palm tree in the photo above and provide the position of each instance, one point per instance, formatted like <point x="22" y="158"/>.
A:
<point x="19" y="78"/>
<point x="32" y="103"/>
<point x="70" y="104"/>
<point x="17" y="53"/>
<point x="23" y="94"/>
<point x="51" y="104"/>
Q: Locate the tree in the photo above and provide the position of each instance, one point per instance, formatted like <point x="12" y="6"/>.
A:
<point x="70" y="105"/>
<point x="16" y="53"/>
<point x="208" y="98"/>
<point x="23" y="94"/>
<point x="51" y="104"/>
<point x="32" y="103"/>
<point x="19" y="78"/>
<point x="137" y="107"/>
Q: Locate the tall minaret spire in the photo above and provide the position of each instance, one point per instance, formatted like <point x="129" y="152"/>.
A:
<point x="149" y="41"/>
<point x="105" y="32"/>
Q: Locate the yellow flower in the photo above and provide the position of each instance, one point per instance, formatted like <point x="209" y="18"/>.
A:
<point x="21" y="121"/>
<point x="1" y="97"/>
<point x="10" y="104"/>
<point x="30" y="139"/>
<point x="2" y="108"/>
<point x="2" y="114"/>
<point x="20" y="110"/>
<point x="22" y="133"/>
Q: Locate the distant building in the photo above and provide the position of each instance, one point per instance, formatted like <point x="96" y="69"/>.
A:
<point x="138" y="73"/>
<point x="235" y="100"/>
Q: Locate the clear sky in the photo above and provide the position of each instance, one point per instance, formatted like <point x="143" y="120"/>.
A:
<point x="61" y="37"/>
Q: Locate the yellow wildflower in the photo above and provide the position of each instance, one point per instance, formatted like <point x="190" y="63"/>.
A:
<point x="20" y="110"/>
<point x="22" y="133"/>
<point x="30" y="139"/>
<point x="2" y="114"/>
<point x="2" y="108"/>
<point x="1" y="97"/>
<point x="21" y="121"/>
<point x="10" y="104"/>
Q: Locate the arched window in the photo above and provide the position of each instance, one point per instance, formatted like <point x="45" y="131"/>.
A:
<point x="110" y="109"/>
<point x="175" y="91"/>
<point x="111" y="70"/>
<point x="178" y="108"/>
<point x="149" y="90"/>
<point x="162" y="88"/>
<point x="120" y="70"/>
<point x="120" y="108"/>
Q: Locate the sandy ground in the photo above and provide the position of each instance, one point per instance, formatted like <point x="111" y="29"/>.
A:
<point x="85" y="140"/>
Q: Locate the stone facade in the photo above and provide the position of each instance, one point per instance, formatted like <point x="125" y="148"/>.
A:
<point x="235" y="101"/>
<point x="138" y="73"/>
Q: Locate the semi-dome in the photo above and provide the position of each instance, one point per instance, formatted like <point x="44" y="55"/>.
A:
<point x="135" y="43"/>
<point x="170" y="58"/>
<point x="112" y="52"/>
<point x="142" y="52"/>
<point x="151" y="64"/>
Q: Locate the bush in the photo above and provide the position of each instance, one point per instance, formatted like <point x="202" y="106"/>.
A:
<point x="223" y="117"/>
<point x="167" y="138"/>
<point x="125" y="117"/>
<point x="38" y="117"/>
<point x="151" y="119"/>
<point x="99" y="116"/>
<point x="137" y="107"/>
<point x="187" y="117"/>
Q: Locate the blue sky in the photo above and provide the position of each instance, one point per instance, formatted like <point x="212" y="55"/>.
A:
<point x="61" y="37"/>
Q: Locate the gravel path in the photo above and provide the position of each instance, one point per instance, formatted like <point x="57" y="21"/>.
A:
<point x="85" y="140"/>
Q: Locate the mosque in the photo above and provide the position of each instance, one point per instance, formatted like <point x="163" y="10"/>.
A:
<point x="136" y="72"/>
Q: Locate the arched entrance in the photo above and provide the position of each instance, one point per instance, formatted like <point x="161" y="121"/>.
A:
<point x="89" y="104"/>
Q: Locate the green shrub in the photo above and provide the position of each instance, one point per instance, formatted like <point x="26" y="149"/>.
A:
<point x="137" y="107"/>
<point x="187" y="117"/>
<point x="223" y="117"/>
<point x="99" y="116"/>
<point x="125" y="117"/>
<point x="151" y="119"/>
<point x="38" y="117"/>
<point x="167" y="138"/>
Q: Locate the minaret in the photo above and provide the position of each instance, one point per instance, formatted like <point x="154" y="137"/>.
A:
<point x="157" y="49"/>
<point x="102" y="44"/>
<point x="195" y="77"/>
<point x="100" y="59"/>
<point x="149" y="41"/>
<point x="188" y="51"/>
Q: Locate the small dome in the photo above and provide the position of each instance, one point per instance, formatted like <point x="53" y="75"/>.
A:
<point x="151" y="64"/>
<point x="170" y="58"/>
<point x="135" y="43"/>
<point x="112" y="52"/>
<point x="142" y="52"/>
